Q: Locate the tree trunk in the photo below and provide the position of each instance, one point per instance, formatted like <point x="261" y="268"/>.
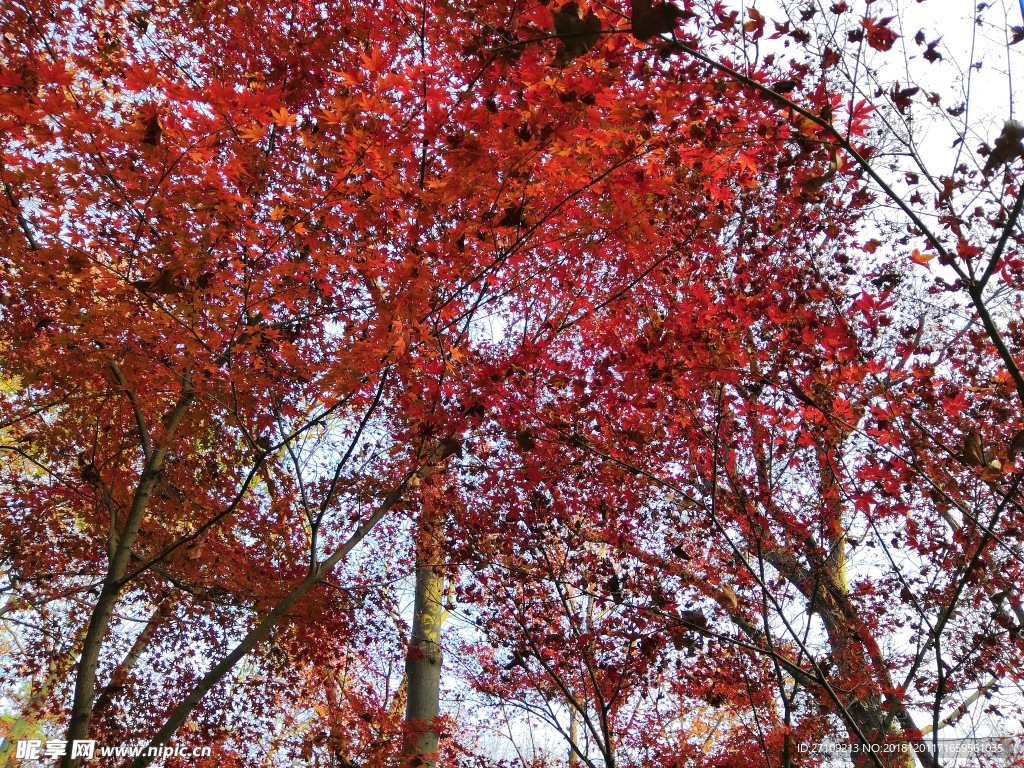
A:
<point x="423" y="659"/>
<point x="124" y="670"/>
<point x="263" y="628"/>
<point x="574" y="736"/>
<point x="121" y="544"/>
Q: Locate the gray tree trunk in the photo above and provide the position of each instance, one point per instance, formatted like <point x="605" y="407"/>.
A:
<point x="423" y="658"/>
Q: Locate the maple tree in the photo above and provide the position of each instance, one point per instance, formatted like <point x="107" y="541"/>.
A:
<point x="564" y="308"/>
<point x="782" y="456"/>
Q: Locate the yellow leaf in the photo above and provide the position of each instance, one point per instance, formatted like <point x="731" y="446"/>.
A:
<point x="253" y="133"/>
<point x="282" y="118"/>
<point x="331" y="117"/>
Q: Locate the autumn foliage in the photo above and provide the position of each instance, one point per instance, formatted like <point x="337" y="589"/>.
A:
<point x="599" y="315"/>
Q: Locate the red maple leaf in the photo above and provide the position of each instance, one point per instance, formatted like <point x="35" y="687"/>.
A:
<point x="878" y="34"/>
